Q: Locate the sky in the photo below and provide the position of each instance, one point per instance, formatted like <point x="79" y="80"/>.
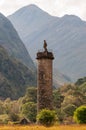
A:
<point x="53" y="7"/>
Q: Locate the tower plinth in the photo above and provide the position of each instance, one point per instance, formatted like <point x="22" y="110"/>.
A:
<point x="44" y="79"/>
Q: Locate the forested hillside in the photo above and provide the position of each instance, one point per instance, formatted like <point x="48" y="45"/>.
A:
<point x="14" y="76"/>
<point x="11" y="41"/>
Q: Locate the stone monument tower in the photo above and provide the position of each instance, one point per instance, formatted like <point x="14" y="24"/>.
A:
<point x="44" y="79"/>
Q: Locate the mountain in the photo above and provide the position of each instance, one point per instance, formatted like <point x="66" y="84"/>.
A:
<point x="10" y="40"/>
<point x="59" y="78"/>
<point x="66" y="36"/>
<point x="14" y="76"/>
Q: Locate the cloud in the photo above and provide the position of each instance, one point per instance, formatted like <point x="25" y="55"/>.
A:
<point x="77" y="7"/>
<point x="1" y="2"/>
<point x="8" y="6"/>
<point x="54" y="7"/>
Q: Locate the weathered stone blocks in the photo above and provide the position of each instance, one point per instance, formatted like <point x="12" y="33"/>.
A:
<point x="44" y="80"/>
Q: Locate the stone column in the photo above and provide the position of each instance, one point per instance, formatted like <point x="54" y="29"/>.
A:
<point x="44" y="79"/>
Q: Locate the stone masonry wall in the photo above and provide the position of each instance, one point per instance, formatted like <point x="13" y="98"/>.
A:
<point x="44" y="93"/>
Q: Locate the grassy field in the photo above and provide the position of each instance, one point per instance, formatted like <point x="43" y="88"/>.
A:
<point x="77" y="127"/>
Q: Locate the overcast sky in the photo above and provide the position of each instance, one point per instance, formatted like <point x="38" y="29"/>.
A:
<point x="53" y="7"/>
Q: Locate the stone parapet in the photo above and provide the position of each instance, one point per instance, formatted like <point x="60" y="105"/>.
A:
<point x="45" y="55"/>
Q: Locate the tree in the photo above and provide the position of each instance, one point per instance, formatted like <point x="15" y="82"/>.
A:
<point x="80" y="115"/>
<point x="29" y="110"/>
<point x="2" y="109"/>
<point x="7" y="105"/>
<point x="46" y="117"/>
<point x="57" y="99"/>
<point x="80" y="81"/>
<point x="31" y="95"/>
<point x="14" y="117"/>
<point x="69" y="109"/>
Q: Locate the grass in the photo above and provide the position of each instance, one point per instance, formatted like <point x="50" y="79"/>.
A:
<point x="65" y="127"/>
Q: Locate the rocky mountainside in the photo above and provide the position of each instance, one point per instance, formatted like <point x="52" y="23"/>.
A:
<point x="10" y="40"/>
<point x="66" y="36"/>
<point x="14" y="76"/>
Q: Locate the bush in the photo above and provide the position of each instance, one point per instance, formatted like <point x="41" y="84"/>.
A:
<point x="69" y="109"/>
<point x="14" y="117"/>
<point x="80" y="115"/>
<point x="29" y="110"/>
<point x="46" y="117"/>
<point x="4" y="119"/>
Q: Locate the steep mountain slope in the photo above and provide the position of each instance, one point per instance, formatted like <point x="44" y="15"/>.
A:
<point x="65" y="35"/>
<point x="10" y="40"/>
<point x="59" y="78"/>
<point x="14" y="76"/>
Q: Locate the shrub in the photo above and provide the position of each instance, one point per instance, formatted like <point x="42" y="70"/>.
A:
<point x="80" y="115"/>
<point x="69" y="109"/>
<point x="29" y="110"/>
<point x="46" y="117"/>
<point x="4" y="119"/>
<point x="14" y="117"/>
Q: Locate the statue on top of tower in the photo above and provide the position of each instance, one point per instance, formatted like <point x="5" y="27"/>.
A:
<point x="45" y="46"/>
